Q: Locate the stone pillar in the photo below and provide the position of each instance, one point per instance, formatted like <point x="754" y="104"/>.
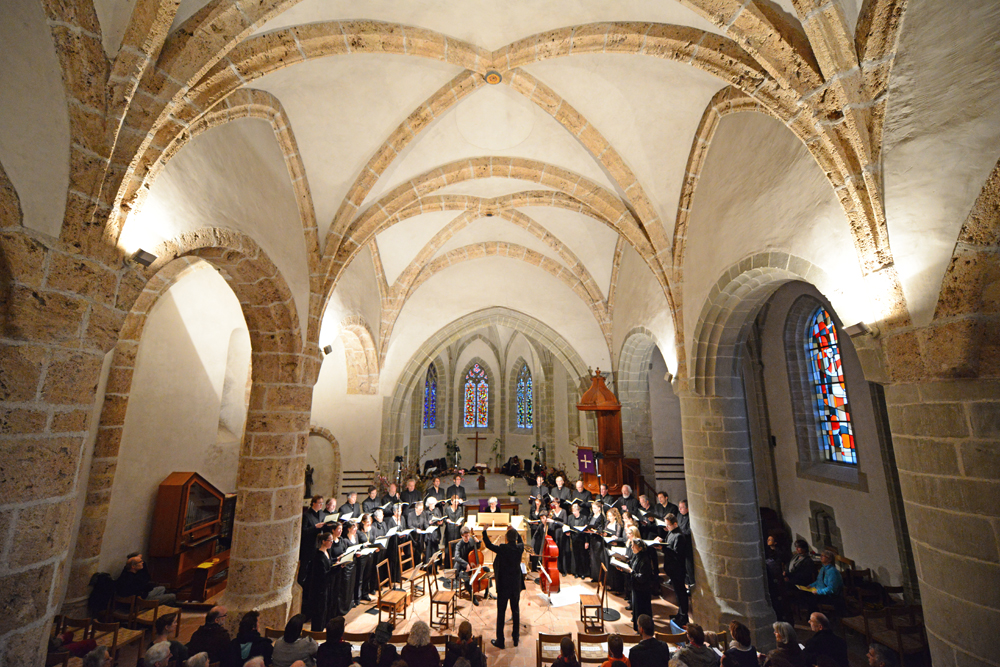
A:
<point x="269" y="483"/>
<point x="725" y="523"/>
<point x="59" y="317"/>
<point x="946" y="436"/>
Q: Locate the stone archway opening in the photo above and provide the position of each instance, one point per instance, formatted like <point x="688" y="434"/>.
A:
<point x="323" y="455"/>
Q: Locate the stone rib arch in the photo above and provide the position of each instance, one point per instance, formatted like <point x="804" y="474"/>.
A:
<point x="325" y="433"/>
<point x="361" y="356"/>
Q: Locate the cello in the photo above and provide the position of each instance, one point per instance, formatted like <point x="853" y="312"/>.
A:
<point x="550" y="566"/>
<point x="477" y="560"/>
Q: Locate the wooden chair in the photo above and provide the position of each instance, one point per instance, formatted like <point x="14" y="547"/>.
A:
<point x="389" y="599"/>
<point x="80" y="627"/>
<point x="444" y="602"/>
<point x="449" y="557"/>
<point x="147" y="611"/>
<point x="671" y="638"/>
<point x="628" y="641"/>
<point x="356" y="639"/>
<point x="114" y="637"/>
<point x="273" y="633"/>
<point x="318" y="635"/>
<point x="57" y="658"/>
<point x="441" y="643"/>
<point x="592" y="606"/>
<point x="591" y="649"/>
<point x="409" y="573"/>
<point x="547" y="648"/>
<point x="903" y="631"/>
<point x="123" y="609"/>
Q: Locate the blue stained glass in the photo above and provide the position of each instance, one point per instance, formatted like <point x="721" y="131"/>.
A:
<point x="477" y="395"/>
<point x="836" y="437"/>
<point x="525" y="416"/>
<point x="430" y="398"/>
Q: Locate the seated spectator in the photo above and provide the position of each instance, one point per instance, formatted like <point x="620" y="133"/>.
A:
<point x="616" y="652"/>
<point x="377" y="651"/>
<point x="880" y="656"/>
<point x="293" y="646"/>
<point x="829" y="585"/>
<point x="99" y="657"/>
<point x="165" y="628"/>
<point x="696" y="653"/>
<point x="157" y="655"/>
<point x="801" y="568"/>
<point x="334" y="652"/>
<point x="248" y="642"/>
<point x="201" y="660"/>
<point x="741" y="650"/>
<point x="788" y="650"/>
<point x="650" y="651"/>
<point x="464" y="648"/>
<point x="419" y="652"/>
<point x="567" y="654"/>
<point x="211" y="638"/>
<point x="824" y="642"/>
<point x="135" y="580"/>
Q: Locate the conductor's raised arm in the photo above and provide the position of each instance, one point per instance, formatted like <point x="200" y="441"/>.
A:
<point x="489" y="545"/>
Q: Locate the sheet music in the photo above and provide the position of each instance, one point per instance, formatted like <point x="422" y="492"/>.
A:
<point x="383" y="541"/>
<point x="345" y="516"/>
<point x="392" y="531"/>
<point x="407" y="531"/>
<point x="620" y="551"/>
<point x="652" y="542"/>
<point x="621" y="566"/>
<point x="612" y="538"/>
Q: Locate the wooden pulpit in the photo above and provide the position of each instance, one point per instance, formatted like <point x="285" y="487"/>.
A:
<point x="599" y="400"/>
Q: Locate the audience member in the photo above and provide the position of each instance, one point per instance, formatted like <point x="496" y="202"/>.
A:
<point x="741" y="650"/>
<point x="880" y="656"/>
<point x="165" y="628"/>
<point x="99" y="657"/>
<point x="829" y="584"/>
<point x="788" y="650"/>
<point x="256" y="661"/>
<point x="377" y="651"/>
<point x="135" y="580"/>
<point x="465" y="648"/>
<point x="201" y="660"/>
<point x="801" y="568"/>
<point x="293" y="646"/>
<point x="616" y="652"/>
<point x="650" y="651"/>
<point x="334" y="652"/>
<point x="696" y="654"/>
<point x="248" y="642"/>
<point x="157" y="655"/>
<point x="419" y="652"/>
<point x="567" y="654"/>
<point x="824" y="642"/>
<point x="211" y="638"/>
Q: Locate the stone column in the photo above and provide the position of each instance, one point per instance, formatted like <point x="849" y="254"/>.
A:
<point x="60" y="317"/>
<point x="946" y="437"/>
<point x="725" y="523"/>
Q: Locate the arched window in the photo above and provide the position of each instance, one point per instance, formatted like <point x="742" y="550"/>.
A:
<point x="833" y="419"/>
<point x="477" y="398"/>
<point x="525" y="413"/>
<point x="430" y="398"/>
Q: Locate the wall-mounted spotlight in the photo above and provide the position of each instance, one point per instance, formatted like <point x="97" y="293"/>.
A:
<point x="328" y="349"/>
<point x="859" y="329"/>
<point x="143" y="257"/>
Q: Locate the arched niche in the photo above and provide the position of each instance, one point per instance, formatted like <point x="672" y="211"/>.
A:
<point x="323" y="454"/>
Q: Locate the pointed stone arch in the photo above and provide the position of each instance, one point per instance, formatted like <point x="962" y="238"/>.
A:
<point x="361" y="356"/>
<point x="325" y="433"/>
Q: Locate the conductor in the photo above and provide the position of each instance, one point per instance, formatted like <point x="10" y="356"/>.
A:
<point x="510" y="582"/>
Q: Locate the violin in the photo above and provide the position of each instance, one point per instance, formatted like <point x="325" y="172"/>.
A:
<point x="550" y="564"/>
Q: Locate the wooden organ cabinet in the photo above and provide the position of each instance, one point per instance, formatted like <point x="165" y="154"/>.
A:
<point x="184" y="544"/>
<point x="599" y="399"/>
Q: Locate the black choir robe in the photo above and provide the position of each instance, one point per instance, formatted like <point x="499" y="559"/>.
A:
<point x="578" y="560"/>
<point x="455" y="491"/>
<point x="584" y="497"/>
<point x="434" y="493"/>
<point x="410" y="497"/>
<point x="349" y="581"/>
<point x="539" y="492"/>
<point x="317" y="590"/>
<point x="454" y="518"/>
<point x="336" y="579"/>
<point x="369" y="504"/>
<point x="598" y="553"/>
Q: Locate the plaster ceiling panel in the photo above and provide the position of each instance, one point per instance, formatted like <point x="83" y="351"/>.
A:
<point x="494" y="120"/>
<point x="497" y="229"/>
<point x="488" y="188"/>
<point x="487" y="23"/>
<point x="592" y="241"/>
<point x="342" y="109"/>
<point x="232" y="176"/>
<point x="399" y="244"/>
<point x="34" y="123"/>
<point x="647" y="108"/>
<point x="113" y="15"/>
<point x="942" y="138"/>
<point x="356" y="294"/>
<point x="760" y="190"/>
<point x="483" y="283"/>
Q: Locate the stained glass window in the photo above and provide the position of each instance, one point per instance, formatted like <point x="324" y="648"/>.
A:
<point x="430" y="398"/>
<point x="525" y="416"/>
<point x="836" y="438"/>
<point x="477" y="398"/>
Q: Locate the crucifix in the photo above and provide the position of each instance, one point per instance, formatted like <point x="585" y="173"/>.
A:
<point x="477" y="438"/>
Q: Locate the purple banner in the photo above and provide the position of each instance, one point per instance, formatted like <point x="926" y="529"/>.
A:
<point x="586" y="460"/>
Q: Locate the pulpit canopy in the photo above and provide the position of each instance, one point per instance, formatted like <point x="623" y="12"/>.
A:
<point x="598" y="396"/>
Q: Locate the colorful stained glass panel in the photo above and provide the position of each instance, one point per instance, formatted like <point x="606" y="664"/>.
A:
<point x="477" y="398"/>
<point x="525" y="417"/>
<point x="430" y="398"/>
<point x="836" y="437"/>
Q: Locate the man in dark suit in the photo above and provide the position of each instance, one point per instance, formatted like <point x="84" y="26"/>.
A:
<point x="824" y="642"/>
<point x="674" y="555"/>
<point x="649" y="652"/>
<point x="311" y="522"/>
<point x="510" y="582"/>
<point x="456" y="489"/>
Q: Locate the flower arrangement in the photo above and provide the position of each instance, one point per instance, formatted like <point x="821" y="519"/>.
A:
<point x="510" y="486"/>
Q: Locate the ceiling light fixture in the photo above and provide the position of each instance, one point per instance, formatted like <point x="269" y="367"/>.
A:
<point x="493" y="77"/>
<point x="143" y="257"/>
